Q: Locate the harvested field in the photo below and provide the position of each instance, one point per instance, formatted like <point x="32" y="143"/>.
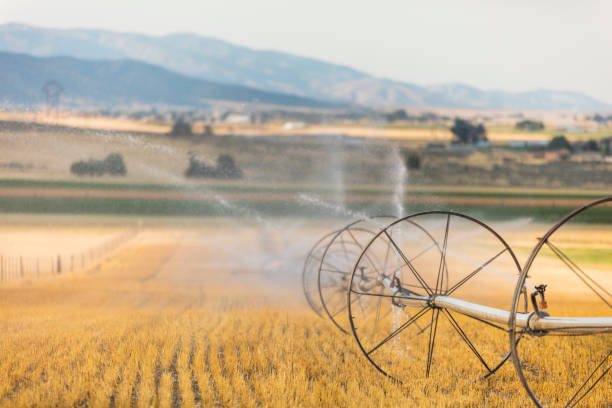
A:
<point x="212" y="314"/>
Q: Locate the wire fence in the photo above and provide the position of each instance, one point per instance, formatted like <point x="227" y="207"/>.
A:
<point x="13" y="268"/>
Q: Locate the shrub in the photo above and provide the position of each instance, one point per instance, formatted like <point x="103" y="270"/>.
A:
<point x="198" y="169"/>
<point x="226" y="168"/>
<point x="399" y="114"/>
<point x="531" y="125"/>
<point x="413" y="161"/>
<point x="113" y="165"/>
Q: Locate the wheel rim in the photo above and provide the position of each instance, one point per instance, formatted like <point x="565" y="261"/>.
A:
<point x="337" y="263"/>
<point x="579" y="286"/>
<point x="310" y="271"/>
<point x="415" y="342"/>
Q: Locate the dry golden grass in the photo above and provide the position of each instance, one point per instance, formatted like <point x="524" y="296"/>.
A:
<point x="85" y="121"/>
<point x="164" y="323"/>
<point x="121" y="124"/>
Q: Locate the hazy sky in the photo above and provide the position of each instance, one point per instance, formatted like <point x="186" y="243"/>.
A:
<point x="492" y="44"/>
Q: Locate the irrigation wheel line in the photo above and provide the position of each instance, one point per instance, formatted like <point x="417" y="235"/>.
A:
<point x="310" y="272"/>
<point x="344" y="247"/>
<point x="414" y="294"/>
<point x="602" y="291"/>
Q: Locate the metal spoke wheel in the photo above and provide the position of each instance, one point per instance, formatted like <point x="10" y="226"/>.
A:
<point x="310" y="273"/>
<point x="400" y="280"/>
<point x="567" y="366"/>
<point x="337" y="263"/>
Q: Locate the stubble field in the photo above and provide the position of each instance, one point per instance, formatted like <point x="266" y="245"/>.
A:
<point x="213" y="315"/>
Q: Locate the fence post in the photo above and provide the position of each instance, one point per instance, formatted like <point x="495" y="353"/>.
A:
<point x="21" y="266"/>
<point x="1" y="268"/>
<point x="59" y="265"/>
<point x="82" y="260"/>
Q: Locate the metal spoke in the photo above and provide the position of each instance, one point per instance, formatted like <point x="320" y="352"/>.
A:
<point x="443" y="256"/>
<point x="354" y="239"/>
<point x="412" y="269"/>
<point x="344" y="307"/>
<point x="423" y="251"/>
<point x="465" y="338"/>
<point x="556" y="249"/>
<point x="324" y="262"/>
<point x="378" y="303"/>
<point x="335" y="271"/>
<point x="343" y="244"/>
<point x="574" y="268"/>
<point x="332" y="285"/>
<point x="387" y="256"/>
<point x="569" y="403"/>
<point x="421" y="330"/>
<point x="393" y="273"/>
<point x="485" y="322"/>
<point x="409" y="322"/>
<point x="384" y="316"/>
<point x="396" y="268"/>
<point x="471" y="274"/>
<point x="387" y="296"/>
<point x="372" y="263"/>
<point x="334" y="295"/>
<point x="433" y="328"/>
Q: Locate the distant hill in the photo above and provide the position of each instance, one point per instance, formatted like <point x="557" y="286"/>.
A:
<point x="103" y="83"/>
<point x="216" y="60"/>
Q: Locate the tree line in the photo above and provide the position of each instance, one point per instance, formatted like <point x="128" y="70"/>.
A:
<point x="114" y="165"/>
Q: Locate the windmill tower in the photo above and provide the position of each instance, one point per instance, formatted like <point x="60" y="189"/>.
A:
<point x="52" y="91"/>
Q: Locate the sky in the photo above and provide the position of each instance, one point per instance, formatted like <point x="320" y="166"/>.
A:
<point x="514" y="45"/>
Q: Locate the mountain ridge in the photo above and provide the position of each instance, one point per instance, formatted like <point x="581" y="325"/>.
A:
<point x="274" y="71"/>
<point x="122" y="82"/>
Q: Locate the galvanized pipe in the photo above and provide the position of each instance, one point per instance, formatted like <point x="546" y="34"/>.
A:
<point x="532" y="322"/>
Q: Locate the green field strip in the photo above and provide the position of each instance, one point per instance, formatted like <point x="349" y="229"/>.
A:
<point x="234" y="188"/>
<point x="147" y="207"/>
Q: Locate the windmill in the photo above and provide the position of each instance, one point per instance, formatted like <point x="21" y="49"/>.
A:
<point x="53" y="91"/>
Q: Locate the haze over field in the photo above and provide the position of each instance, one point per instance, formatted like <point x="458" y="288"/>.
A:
<point x="290" y="204"/>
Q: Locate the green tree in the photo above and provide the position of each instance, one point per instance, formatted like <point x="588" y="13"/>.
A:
<point x="600" y="119"/>
<point x="208" y="131"/>
<point x="467" y="133"/>
<point x="114" y="165"/>
<point x="530" y="125"/>
<point x="198" y="169"/>
<point x="181" y="128"/>
<point x="413" y="161"/>
<point x="560" y="142"/>
<point x="399" y="114"/>
<point x="227" y="168"/>
<point x="591" y="145"/>
<point x="606" y="143"/>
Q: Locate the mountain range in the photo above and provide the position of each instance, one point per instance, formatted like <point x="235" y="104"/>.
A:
<point x="213" y="60"/>
<point x="116" y="83"/>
